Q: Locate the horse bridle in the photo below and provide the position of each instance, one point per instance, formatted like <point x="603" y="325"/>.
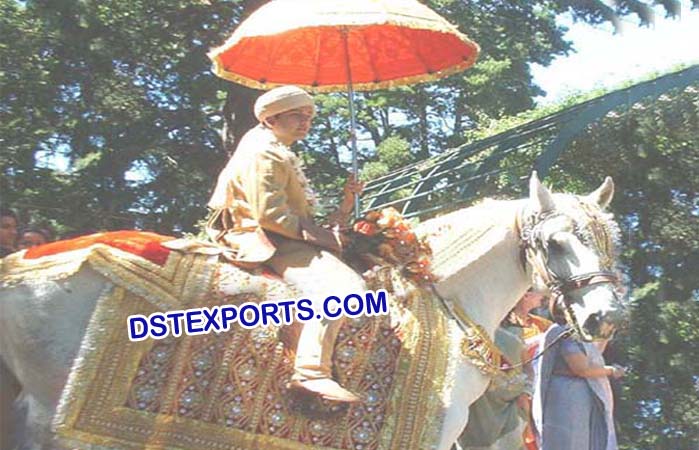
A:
<point x="535" y="252"/>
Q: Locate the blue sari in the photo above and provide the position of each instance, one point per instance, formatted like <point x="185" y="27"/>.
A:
<point x="571" y="413"/>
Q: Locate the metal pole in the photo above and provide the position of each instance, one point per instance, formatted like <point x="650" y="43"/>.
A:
<point x="353" y="120"/>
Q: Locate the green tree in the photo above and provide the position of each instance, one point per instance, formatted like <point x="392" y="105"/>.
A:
<point x="652" y="151"/>
<point x="120" y="93"/>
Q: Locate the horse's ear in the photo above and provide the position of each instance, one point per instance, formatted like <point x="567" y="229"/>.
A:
<point x="603" y="195"/>
<point x="541" y="198"/>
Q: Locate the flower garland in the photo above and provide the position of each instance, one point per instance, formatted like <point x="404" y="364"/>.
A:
<point x="388" y="235"/>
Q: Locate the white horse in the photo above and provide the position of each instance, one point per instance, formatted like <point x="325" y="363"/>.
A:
<point x="42" y="325"/>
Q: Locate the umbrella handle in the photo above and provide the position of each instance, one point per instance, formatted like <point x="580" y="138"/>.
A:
<point x="355" y="163"/>
<point x="353" y="120"/>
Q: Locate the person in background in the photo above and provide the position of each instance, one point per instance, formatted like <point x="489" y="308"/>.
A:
<point x="500" y="419"/>
<point x="47" y="230"/>
<point x="32" y="237"/>
<point x="531" y="329"/>
<point x="573" y="407"/>
<point x="8" y="231"/>
<point x="11" y="388"/>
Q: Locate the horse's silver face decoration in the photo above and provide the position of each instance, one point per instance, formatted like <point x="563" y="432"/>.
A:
<point x="570" y="244"/>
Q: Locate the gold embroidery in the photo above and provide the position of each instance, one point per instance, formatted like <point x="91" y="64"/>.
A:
<point x="227" y="390"/>
<point x="183" y="276"/>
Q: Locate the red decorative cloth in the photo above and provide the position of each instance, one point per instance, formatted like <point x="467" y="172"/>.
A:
<point x="140" y="243"/>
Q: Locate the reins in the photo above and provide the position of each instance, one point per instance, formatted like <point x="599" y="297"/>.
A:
<point x="535" y="252"/>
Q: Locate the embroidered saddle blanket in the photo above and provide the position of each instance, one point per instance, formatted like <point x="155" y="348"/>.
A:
<point x="227" y="390"/>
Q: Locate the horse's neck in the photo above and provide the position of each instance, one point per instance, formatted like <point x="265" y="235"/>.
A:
<point x="490" y="285"/>
<point x="489" y="289"/>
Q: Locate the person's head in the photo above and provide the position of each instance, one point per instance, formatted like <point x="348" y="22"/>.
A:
<point x="530" y="300"/>
<point x="8" y="228"/>
<point x="288" y="111"/>
<point x="31" y="237"/>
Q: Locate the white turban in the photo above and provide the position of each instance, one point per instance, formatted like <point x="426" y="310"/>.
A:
<point x="281" y="99"/>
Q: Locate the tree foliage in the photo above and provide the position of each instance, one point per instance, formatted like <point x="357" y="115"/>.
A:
<point x="652" y="152"/>
<point x="109" y="107"/>
<point x="118" y="92"/>
<point x="110" y="118"/>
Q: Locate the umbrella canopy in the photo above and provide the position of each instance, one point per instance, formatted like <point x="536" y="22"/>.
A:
<point x="322" y="45"/>
<point x="333" y="45"/>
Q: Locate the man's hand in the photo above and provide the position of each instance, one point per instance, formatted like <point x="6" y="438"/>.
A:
<point x="344" y="239"/>
<point x="341" y="215"/>
<point x="352" y="187"/>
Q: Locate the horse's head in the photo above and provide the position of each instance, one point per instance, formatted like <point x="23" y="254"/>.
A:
<point x="569" y="243"/>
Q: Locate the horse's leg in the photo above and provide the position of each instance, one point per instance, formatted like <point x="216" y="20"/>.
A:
<point x="9" y="392"/>
<point x="23" y="422"/>
<point x="469" y="384"/>
<point x="41" y="327"/>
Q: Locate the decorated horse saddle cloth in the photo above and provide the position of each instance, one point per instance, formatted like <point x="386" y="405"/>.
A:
<point x="227" y="390"/>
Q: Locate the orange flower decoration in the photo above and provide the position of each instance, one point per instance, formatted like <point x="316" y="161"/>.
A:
<point x="366" y="228"/>
<point x="389" y="218"/>
<point x="387" y="234"/>
<point x="372" y="216"/>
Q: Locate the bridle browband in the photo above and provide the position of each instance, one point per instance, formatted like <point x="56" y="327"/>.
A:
<point x="535" y="252"/>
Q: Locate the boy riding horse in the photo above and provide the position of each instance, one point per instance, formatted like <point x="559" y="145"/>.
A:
<point x="262" y="210"/>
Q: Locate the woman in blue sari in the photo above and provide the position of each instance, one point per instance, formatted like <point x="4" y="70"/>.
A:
<point x="573" y="404"/>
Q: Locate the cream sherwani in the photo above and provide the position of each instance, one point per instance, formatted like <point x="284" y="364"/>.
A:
<point x="258" y="203"/>
<point x="258" y="192"/>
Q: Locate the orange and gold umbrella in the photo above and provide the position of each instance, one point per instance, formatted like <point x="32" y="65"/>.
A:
<point x="335" y="45"/>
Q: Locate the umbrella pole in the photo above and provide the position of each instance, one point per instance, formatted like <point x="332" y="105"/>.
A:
<point x="353" y="134"/>
<point x="353" y="120"/>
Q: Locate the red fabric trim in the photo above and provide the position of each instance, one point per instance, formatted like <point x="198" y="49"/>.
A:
<point x="140" y="243"/>
<point x="269" y="273"/>
<point x="529" y="438"/>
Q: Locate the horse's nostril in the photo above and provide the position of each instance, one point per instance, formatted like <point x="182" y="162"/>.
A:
<point x="592" y="323"/>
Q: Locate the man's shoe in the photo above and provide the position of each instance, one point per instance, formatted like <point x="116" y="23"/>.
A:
<point x="325" y="388"/>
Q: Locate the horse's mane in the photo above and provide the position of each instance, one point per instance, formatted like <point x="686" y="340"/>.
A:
<point x="594" y="226"/>
<point x="459" y="238"/>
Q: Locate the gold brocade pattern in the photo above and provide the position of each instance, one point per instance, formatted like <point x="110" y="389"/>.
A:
<point x="600" y="232"/>
<point x="227" y="390"/>
<point x="480" y="350"/>
<point x="183" y="276"/>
